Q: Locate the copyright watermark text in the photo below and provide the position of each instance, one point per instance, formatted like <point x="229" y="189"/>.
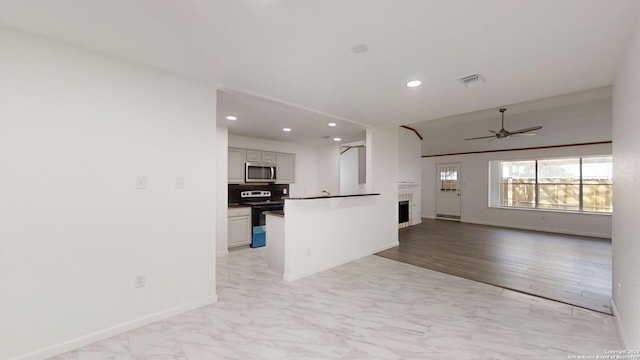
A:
<point x="611" y="355"/>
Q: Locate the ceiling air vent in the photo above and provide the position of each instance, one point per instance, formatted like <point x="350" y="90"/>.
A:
<point x="471" y="80"/>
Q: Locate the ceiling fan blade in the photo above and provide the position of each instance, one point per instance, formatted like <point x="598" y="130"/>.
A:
<point x="505" y="134"/>
<point x="481" y="137"/>
<point x="527" y="134"/>
<point x="521" y="131"/>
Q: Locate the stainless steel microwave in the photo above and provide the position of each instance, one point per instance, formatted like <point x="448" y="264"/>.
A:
<point x="257" y="172"/>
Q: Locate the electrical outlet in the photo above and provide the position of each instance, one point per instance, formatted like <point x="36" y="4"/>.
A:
<point x="141" y="183"/>
<point x="180" y="182"/>
<point x="619" y="289"/>
<point x="140" y="281"/>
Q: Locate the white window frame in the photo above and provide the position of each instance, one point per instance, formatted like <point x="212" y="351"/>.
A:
<point x="495" y="176"/>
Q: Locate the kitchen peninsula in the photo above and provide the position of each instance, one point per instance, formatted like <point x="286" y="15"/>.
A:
<point x="320" y="232"/>
<point x="331" y="196"/>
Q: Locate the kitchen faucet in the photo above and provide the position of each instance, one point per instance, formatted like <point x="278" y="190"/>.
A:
<point x="325" y="193"/>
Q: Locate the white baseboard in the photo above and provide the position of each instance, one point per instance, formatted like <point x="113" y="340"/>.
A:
<point x="293" y="277"/>
<point x="621" y="334"/>
<point x="222" y="253"/>
<point x="90" y="338"/>
<point x="535" y="228"/>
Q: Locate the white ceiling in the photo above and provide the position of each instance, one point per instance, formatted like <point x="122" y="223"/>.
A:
<point x="580" y="117"/>
<point x="263" y="118"/>
<point x="300" y="51"/>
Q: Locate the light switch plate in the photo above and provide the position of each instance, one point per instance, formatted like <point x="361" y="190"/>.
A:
<point x="180" y="182"/>
<point x="141" y="183"/>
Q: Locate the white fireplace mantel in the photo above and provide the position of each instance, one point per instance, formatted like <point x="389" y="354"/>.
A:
<point x="415" y="189"/>
<point x="407" y="185"/>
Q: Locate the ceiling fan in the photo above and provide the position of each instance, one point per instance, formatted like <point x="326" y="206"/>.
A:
<point x="503" y="134"/>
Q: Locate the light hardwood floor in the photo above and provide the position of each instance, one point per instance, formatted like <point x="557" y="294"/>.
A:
<point x="571" y="269"/>
<point x="371" y="308"/>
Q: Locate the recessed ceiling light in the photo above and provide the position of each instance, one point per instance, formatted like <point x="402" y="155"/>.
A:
<point x="332" y="124"/>
<point x="414" y="83"/>
<point x="336" y="139"/>
<point x="232" y="118"/>
<point x="286" y="129"/>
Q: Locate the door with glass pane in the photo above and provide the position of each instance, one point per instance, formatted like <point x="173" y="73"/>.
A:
<point x="448" y="191"/>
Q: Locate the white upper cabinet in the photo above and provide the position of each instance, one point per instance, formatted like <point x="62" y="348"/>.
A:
<point x="285" y="164"/>
<point x="262" y="157"/>
<point x="254" y="156"/>
<point x="237" y="159"/>
<point x="285" y="168"/>
<point x="268" y="157"/>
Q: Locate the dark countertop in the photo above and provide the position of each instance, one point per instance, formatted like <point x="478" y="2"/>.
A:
<point x="232" y="206"/>
<point x="275" y="213"/>
<point x="332" y="196"/>
<point x="263" y="202"/>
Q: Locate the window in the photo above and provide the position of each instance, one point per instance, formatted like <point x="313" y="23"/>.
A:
<point x="518" y="184"/>
<point x="448" y="179"/>
<point x="572" y="184"/>
<point x="597" y="184"/>
<point x="559" y="184"/>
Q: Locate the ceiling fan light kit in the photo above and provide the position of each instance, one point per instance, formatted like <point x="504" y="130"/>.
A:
<point x="503" y="134"/>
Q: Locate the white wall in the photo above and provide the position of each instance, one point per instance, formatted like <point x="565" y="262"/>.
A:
<point x="410" y="170"/>
<point x="349" y="182"/>
<point x="320" y="234"/>
<point x="329" y="168"/>
<point x="409" y="152"/>
<point x="626" y="172"/>
<point x="222" y="169"/>
<point x="474" y="193"/>
<point x="76" y="130"/>
<point x="584" y="117"/>
<point x="317" y="168"/>
<point x="323" y="233"/>
<point x="349" y="170"/>
<point x="382" y="177"/>
<point x="382" y="161"/>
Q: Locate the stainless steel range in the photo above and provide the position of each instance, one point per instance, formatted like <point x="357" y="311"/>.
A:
<point x="260" y="202"/>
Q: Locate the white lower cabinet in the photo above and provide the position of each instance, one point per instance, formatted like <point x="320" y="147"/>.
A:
<point x="239" y="226"/>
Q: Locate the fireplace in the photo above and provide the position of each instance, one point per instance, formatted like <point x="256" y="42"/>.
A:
<point x="405" y="209"/>
<point x="409" y="209"/>
<point x="403" y="212"/>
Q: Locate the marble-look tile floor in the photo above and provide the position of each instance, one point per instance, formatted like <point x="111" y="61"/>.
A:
<point x="372" y="308"/>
